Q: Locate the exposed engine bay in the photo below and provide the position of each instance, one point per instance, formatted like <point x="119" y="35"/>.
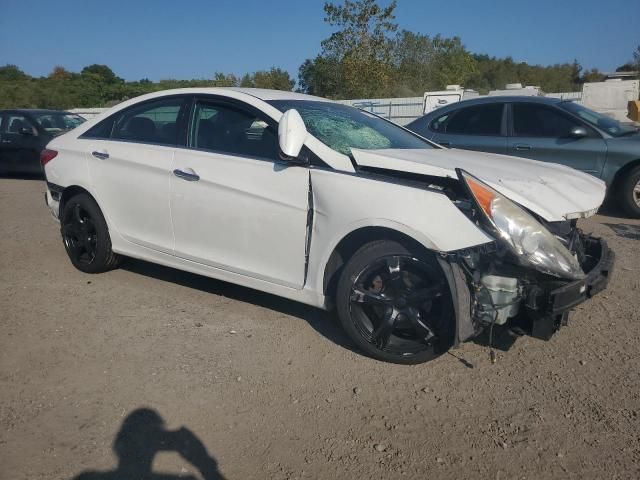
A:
<point x="495" y="284"/>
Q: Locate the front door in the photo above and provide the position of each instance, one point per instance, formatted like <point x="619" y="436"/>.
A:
<point x="542" y="132"/>
<point x="234" y="205"/>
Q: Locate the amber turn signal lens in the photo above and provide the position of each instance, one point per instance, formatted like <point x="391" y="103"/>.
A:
<point x="483" y="196"/>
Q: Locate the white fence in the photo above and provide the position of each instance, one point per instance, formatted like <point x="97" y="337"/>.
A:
<point x="398" y="110"/>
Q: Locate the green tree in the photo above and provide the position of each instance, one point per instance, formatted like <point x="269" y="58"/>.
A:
<point x="12" y="73"/>
<point x="364" y="29"/>
<point x="224" y="80"/>
<point x="356" y="59"/>
<point x="275" y="78"/>
<point x="321" y="76"/>
<point x="100" y="72"/>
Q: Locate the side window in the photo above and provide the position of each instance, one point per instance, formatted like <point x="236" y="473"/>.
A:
<point x="476" y="120"/>
<point x="228" y="129"/>
<point x="101" y="130"/>
<point x="150" y="122"/>
<point x="530" y="120"/>
<point x="16" y="122"/>
<point x="1" y="122"/>
<point x="438" y="125"/>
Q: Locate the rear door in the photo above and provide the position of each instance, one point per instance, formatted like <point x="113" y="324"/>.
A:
<point x="543" y="132"/>
<point x="130" y="156"/>
<point x="476" y="127"/>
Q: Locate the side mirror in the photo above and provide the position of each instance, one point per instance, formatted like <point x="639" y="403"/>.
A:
<point x="26" y="131"/>
<point x="578" y="132"/>
<point x="291" y="133"/>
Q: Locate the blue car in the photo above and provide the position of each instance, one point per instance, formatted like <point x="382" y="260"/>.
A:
<point x="546" y="129"/>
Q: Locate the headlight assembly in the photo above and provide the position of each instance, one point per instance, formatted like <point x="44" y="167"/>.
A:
<point x="527" y="238"/>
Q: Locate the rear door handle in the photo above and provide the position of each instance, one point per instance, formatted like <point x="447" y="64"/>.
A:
<point x="186" y="175"/>
<point x="522" y="147"/>
<point x="101" y="155"/>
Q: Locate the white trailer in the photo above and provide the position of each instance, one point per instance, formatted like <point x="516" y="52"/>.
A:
<point x="611" y="97"/>
<point x="452" y="94"/>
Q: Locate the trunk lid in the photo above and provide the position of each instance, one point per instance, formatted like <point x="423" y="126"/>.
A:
<point x="553" y="191"/>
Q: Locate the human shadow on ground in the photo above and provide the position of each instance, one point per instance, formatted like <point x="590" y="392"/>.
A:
<point x="325" y="323"/>
<point x="142" y="436"/>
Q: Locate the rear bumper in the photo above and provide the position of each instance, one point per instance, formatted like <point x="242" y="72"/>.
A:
<point x="52" y="199"/>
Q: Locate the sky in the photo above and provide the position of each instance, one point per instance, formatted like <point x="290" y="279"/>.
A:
<point x="185" y="39"/>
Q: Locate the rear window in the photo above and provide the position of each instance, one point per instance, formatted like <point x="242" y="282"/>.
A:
<point x="153" y="122"/>
<point x="476" y="120"/>
<point x="57" y="122"/>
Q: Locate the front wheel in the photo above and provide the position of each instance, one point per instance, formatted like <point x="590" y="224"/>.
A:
<point x="86" y="236"/>
<point x="629" y="193"/>
<point x="395" y="303"/>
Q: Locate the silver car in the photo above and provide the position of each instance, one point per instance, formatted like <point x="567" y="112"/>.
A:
<point x="546" y="129"/>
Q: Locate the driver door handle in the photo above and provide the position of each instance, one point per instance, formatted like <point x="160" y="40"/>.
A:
<point x="189" y="176"/>
<point x="522" y="147"/>
<point x="102" y="155"/>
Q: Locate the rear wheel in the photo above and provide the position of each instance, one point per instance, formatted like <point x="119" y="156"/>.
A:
<point x="629" y="193"/>
<point x="85" y="235"/>
<point x="395" y="304"/>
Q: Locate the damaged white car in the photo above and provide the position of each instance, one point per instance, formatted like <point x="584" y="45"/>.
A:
<point x="418" y="247"/>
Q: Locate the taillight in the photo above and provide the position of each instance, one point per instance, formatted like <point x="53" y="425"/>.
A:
<point x="46" y="156"/>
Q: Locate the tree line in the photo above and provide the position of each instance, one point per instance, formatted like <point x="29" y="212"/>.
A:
<point x="366" y="57"/>
<point x="99" y="86"/>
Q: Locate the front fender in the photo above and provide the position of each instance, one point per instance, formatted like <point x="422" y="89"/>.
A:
<point x="344" y="203"/>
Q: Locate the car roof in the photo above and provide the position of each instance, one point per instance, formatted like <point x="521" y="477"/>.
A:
<point x="510" y="99"/>
<point x="268" y="94"/>
<point x="264" y="94"/>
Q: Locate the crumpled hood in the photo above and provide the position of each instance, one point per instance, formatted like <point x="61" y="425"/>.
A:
<point x="555" y="192"/>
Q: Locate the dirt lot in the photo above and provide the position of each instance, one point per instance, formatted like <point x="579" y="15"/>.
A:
<point x="272" y="389"/>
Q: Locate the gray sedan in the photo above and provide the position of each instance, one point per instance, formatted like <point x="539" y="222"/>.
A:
<point x="547" y="129"/>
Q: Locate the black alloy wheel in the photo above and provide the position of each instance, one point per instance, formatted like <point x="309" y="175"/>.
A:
<point x="399" y="306"/>
<point x="85" y="235"/>
<point x="79" y="235"/>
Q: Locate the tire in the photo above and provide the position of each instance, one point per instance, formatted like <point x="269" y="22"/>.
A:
<point x="629" y="193"/>
<point x="394" y="302"/>
<point x="86" y="237"/>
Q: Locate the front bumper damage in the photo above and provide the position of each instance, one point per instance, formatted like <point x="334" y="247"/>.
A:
<point x="492" y="291"/>
<point x="550" y="308"/>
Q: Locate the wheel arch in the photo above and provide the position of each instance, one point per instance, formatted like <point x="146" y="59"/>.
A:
<point x="71" y="191"/>
<point x="351" y="242"/>
<point x="619" y="175"/>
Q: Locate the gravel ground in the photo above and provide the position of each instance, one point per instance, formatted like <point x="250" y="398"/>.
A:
<point x="273" y="389"/>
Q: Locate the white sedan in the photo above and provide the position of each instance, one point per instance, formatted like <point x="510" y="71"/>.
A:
<point x="418" y="247"/>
